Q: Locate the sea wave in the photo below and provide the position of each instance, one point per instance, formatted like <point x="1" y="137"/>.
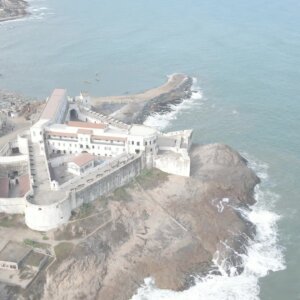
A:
<point x="264" y="254"/>
<point x="163" y="120"/>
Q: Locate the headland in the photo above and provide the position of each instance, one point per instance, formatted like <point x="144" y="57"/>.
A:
<point x="111" y="203"/>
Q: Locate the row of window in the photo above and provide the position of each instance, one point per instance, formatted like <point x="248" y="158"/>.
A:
<point x="84" y="139"/>
<point x="58" y="144"/>
<point x="145" y="143"/>
<point x="76" y="152"/>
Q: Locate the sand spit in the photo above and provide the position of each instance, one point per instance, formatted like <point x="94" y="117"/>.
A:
<point x="136" y="108"/>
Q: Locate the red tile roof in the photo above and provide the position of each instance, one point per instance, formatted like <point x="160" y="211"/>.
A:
<point x="85" y="131"/>
<point x="62" y="134"/>
<point x="86" y="125"/>
<point x="83" y="159"/>
<point x="24" y="185"/>
<point x="108" y="138"/>
<point x="52" y="104"/>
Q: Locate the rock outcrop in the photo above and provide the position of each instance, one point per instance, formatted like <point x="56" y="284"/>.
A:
<point x="136" y="108"/>
<point x="163" y="226"/>
<point x="12" y="9"/>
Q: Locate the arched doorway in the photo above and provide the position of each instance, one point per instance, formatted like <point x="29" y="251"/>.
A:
<point x="73" y="115"/>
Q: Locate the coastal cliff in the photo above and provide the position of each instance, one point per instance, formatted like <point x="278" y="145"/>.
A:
<point x="161" y="226"/>
<point x="12" y="9"/>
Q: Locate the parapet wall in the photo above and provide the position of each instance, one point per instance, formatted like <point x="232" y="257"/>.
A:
<point x="21" y="164"/>
<point x="12" y="205"/>
<point x="173" y="164"/>
<point x="47" y="217"/>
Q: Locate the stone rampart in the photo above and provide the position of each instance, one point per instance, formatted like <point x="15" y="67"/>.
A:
<point x="47" y="217"/>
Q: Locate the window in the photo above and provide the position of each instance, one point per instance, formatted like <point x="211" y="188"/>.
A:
<point x="132" y="142"/>
<point x="145" y="143"/>
<point x="138" y="143"/>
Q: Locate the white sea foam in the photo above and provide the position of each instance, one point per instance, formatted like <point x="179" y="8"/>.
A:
<point x="162" y="120"/>
<point x="263" y="256"/>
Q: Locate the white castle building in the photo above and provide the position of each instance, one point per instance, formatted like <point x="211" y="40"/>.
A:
<point x="73" y="155"/>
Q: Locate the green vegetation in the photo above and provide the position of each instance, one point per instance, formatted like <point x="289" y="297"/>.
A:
<point x="85" y="210"/>
<point x="35" y="244"/>
<point x="150" y="179"/>
<point x="122" y="194"/>
<point x="10" y="221"/>
<point x="63" y="250"/>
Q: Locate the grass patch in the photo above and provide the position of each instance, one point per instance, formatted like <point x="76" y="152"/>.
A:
<point x="35" y="244"/>
<point x="63" y="250"/>
<point x="45" y="238"/>
<point x="150" y="179"/>
<point x="10" y="220"/>
<point x="85" y="210"/>
<point x="122" y="194"/>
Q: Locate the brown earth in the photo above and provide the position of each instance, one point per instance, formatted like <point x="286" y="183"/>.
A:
<point x="164" y="226"/>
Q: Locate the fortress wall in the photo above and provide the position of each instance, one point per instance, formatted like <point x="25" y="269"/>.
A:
<point x="120" y="177"/>
<point x="12" y="205"/>
<point x="23" y="145"/>
<point x="21" y="164"/>
<point x="47" y="217"/>
<point x="177" y="165"/>
<point x="58" y="161"/>
<point x="13" y="163"/>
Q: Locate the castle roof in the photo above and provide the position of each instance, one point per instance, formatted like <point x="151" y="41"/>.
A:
<point x="83" y="159"/>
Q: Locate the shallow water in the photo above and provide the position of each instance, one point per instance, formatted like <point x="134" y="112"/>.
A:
<point x="245" y="56"/>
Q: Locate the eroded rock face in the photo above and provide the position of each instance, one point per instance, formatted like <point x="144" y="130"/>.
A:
<point x="167" y="227"/>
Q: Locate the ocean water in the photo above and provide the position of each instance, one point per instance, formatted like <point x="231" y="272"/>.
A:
<point x="244" y="56"/>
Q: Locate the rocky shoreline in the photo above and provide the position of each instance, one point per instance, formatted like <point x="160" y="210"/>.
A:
<point x="162" y="226"/>
<point x="136" y="108"/>
<point x="13" y="9"/>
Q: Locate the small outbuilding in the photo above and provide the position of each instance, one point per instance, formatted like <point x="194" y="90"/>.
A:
<point x="12" y="255"/>
<point x="81" y="163"/>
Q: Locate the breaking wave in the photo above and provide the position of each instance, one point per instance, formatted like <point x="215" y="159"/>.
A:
<point x="163" y="120"/>
<point x="263" y="256"/>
